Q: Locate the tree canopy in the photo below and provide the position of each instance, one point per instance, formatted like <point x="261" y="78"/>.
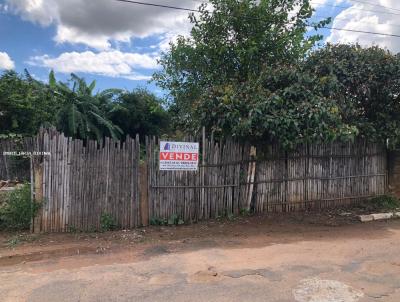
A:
<point x="75" y="109"/>
<point x="251" y="69"/>
<point x="24" y="104"/>
<point x="80" y="114"/>
<point x="365" y="83"/>
<point x="285" y="105"/>
<point x="238" y="73"/>
<point x="139" y="112"/>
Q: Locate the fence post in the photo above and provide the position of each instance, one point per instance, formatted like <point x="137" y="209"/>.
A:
<point x="394" y="172"/>
<point x="32" y="181"/>
<point x="144" y="200"/>
<point x="203" y="162"/>
<point x="251" y="173"/>
<point x="38" y="197"/>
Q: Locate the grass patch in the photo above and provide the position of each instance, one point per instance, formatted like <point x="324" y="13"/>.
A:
<point x="381" y="203"/>
<point x="173" y="220"/>
<point x="107" y="222"/>
<point x="18" y="239"/>
<point x="245" y="212"/>
<point x="13" y="242"/>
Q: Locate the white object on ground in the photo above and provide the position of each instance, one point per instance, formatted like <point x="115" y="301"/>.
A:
<point x="366" y="218"/>
<point x="317" y="290"/>
<point x="380" y="216"/>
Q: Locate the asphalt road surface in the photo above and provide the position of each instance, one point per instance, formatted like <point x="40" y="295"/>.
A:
<point x="351" y="263"/>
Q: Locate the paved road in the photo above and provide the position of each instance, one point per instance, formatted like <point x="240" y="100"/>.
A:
<point x="317" y="268"/>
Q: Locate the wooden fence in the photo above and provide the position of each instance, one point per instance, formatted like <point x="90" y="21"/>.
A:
<point x="216" y="189"/>
<point x="15" y="167"/>
<point x="320" y="176"/>
<point x="79" y="181"/>
<point x="234" y="178"/>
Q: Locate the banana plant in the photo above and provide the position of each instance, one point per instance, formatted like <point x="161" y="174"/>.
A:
<point x="80" y="113"/>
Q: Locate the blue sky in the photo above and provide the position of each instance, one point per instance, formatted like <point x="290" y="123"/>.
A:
<point x="118" y="44"/>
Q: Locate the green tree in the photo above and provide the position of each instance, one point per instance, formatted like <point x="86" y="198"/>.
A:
<point x="80" y="113"/>
<point x="366" y="85"/>
<point x="25" y="104"/>
<point x="139" y="112"/>
<point x="285" y="105"/>
<point x="74" y="109"/>
<point x="232" y="44"/>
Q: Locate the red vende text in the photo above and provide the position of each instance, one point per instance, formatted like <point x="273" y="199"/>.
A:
<point x="178" y="156"/>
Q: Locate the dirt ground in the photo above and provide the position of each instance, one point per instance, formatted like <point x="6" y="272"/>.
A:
<point x="22" y="247"/>
<point x="317" y="257"/>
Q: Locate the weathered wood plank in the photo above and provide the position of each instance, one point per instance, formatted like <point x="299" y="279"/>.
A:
<point x="83" y="180"/>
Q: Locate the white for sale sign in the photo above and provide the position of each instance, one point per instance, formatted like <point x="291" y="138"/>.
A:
<point x="179" y="156"/>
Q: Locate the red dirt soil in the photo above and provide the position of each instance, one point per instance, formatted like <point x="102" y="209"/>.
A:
<point x="19" y="248"/>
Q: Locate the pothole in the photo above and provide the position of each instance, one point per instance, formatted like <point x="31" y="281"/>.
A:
<point x="209" y="275"/>
<point x="317" y="290"/>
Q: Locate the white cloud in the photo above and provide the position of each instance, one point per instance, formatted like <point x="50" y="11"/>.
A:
<point x="3" y="8"/>
<point x="322" y="3"/>
<point x="98" y="22"/>
<point x="165" y="41"/>
<point x="108" y="63"/>
<point x="5" y="61"/>
<point x="364" y="17"/>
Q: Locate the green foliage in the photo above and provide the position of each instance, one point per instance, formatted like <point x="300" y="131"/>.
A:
<point x="282" y="104"/>
<point x="244" y="212"/>
<point x="73" y="229"/>
<point x="230" y="45"/>
<point x="18" y="211"/>
<point x="15" y="240"/>
<point x="230" y="216"/>
<point x="80" y="114"/>
<point x="25" y="104"/>
<point x="107" y="222"/>
<point x="226" y="215"/>
<point x="73" y="108"/>
<point x="365" y="84"/>
<point x="244" y="73"/>
<point x="14" y="136"/>
<point x="173" y="220"/>
<point x="385" y="202"/>
<point x="139" y="112"/>
<point x="158" y="221"/>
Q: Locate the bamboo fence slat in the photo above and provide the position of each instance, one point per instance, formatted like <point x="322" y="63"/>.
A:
<point x="83" y="180"/>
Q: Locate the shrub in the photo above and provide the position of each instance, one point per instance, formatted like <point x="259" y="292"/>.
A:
<point x="173" y="220"/>
<point x="244" y="212"/>
<point x="18" y="211"/>
<point x="107" y="222"/>
<point x="158" y="221"/>
<point x="387" y="202"/>
<point x="230" y="216"/>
